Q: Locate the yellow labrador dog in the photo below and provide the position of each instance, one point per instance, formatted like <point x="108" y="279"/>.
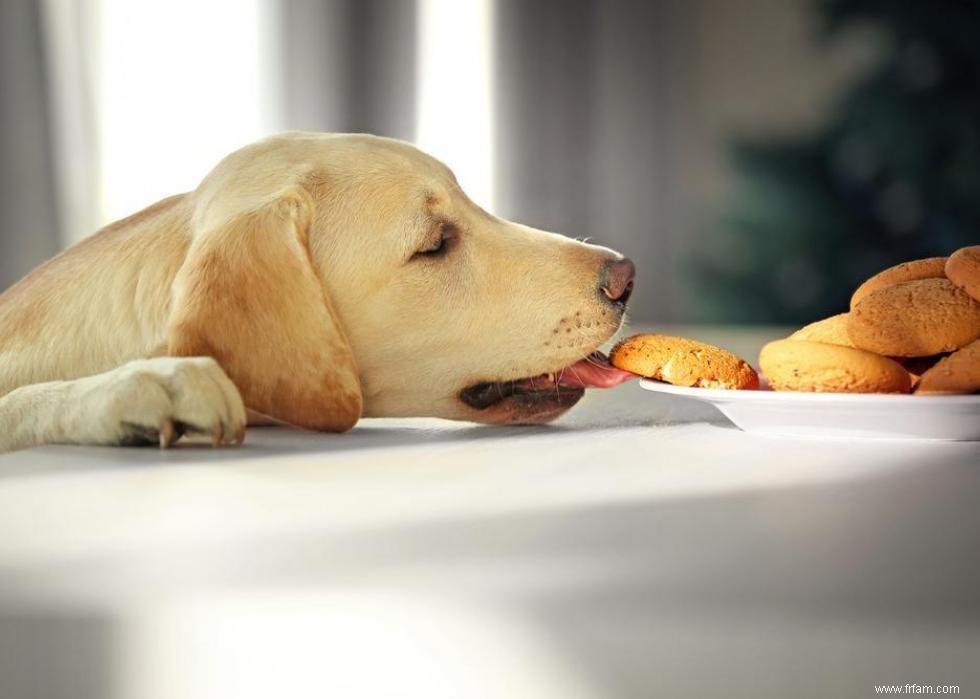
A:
<point x="314" y="279"/>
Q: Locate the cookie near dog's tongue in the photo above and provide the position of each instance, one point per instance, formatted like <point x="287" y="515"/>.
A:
<point x="594" y="371"/>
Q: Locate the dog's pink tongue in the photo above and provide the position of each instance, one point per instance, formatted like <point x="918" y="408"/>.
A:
<point x="594" y="372"/>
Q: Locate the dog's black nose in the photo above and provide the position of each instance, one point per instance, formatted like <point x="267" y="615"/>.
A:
<point x="616" y="281"/>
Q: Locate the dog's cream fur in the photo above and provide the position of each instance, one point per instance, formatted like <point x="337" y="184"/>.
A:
<point x="296" y="270"/>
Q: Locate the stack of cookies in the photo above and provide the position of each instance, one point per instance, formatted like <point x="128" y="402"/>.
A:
<point x="911" y="328"/>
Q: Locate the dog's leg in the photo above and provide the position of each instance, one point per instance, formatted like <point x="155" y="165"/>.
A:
<point x="146" y="401"/>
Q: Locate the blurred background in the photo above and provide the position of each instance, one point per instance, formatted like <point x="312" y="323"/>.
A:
<point x="756" y="158"/>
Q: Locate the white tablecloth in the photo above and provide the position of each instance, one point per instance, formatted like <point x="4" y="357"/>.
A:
<point x="639" y="547"/>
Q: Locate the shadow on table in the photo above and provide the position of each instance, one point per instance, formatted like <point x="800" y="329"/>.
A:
<point x="601" y="414"/>
<point x="275" y="442"/>
<point x="626" y="407"/>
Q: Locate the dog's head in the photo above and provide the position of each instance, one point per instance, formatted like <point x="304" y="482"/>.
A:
<point x="360" y="279"/>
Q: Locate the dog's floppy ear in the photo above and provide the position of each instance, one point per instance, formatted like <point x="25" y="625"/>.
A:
<point x="248" y="296"/>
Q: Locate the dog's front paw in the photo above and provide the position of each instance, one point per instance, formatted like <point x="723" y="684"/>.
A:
<point x="155" y="401"/>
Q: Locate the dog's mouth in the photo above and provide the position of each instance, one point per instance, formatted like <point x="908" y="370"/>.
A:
<point x="542" y="397"/>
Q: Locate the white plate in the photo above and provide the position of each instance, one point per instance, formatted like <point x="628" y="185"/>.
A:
<point x="840" y="415"/>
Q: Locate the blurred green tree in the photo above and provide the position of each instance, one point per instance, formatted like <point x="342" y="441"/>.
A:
<point x="894" y="176"/>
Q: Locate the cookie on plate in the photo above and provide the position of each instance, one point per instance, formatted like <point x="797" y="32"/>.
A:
<point x="683" y="362"/>
<point x="831" y="331"/>
<point x="915" y="319"/>
<point x="963" y="269"/>
<point x="957" y="373"/>
<point x="801" y="365"/>
<point x="929" y="268"/>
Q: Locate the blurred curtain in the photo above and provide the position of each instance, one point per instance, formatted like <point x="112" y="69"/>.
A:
<point x="28" y="201"/>
<point x="349" y="66"/>
<point x="609" y="116"/>
<point x="590" y="98"/>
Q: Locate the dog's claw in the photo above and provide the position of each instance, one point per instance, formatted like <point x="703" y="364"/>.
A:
<point x="167" y="433"/>
<point x="217" y="435"/>
<point x="240" y="435"/>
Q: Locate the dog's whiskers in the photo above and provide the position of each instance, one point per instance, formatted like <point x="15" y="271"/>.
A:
<point x="591" y="360"/>
<point x="558" y="385"/>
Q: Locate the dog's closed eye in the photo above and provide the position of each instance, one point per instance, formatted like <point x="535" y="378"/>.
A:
<point x="440" y="243"/>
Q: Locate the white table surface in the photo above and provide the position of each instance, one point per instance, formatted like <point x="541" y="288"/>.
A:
<point x="639" y="547"/>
